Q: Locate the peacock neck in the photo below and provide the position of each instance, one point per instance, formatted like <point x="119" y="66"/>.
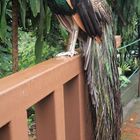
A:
<point x="60" y="7"/>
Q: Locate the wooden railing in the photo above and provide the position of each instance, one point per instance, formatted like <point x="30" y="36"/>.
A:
<point x="56" y="89"/>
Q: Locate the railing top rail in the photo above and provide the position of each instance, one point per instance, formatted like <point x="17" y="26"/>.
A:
<point x="25" y="88"/>
<point x="28" y="74"/>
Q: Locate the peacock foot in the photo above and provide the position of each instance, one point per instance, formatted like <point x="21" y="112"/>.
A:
<point x="67" y="53"/>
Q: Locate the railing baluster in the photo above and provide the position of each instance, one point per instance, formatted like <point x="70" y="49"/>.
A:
<point x="72" y="113"/>
<point x="59" y="114"/>
<point x="18" y="127"/>
<point x="45" y="120"/>
<point x="81" y="90"/>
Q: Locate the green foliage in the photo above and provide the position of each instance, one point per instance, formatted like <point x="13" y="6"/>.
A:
<point x="31" y="120"/>
<point x="50" y="48"/>
<point x="39" y="41"/>
<point x="127" y="19"/>
<point x="31" y="116"/>
<point x="35" y="6"/>
<point x="48" y="18"/>
<point x="26" y="43"/>
<point x="127" y="64"/>
<point x="33" y="15"/>
<point x="26" y="49"/>
<point x="3" y="23"/>
<point x="23" y="6"/>
<point x="123" y="79"/>
<point x="126" y="14"/>
<point x="5" y="62"/>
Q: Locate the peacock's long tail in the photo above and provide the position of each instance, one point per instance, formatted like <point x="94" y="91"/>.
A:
<point x="103" y="85"/>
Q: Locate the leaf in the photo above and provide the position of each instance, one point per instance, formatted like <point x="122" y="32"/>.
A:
<point x="38" y="49"/>
<point x="0" y="7"/>
<point x="48" y="16"/>
<point x="120" y="71"/>
<point x="23" y="5"/>
<point x="63" y="32"/>
<point x="3" y="23"/>
<point x="138" y="8"/>
<point x="40" y="41"/>
<point x="35" y="7"/>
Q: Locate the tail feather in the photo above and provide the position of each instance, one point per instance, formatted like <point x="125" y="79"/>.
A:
<point x="102" y="79"/>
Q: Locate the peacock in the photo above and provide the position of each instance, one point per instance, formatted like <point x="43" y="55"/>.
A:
<point x="90" y="23"/>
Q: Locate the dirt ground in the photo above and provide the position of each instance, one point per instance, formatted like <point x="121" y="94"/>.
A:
<point x="131" y="124"/>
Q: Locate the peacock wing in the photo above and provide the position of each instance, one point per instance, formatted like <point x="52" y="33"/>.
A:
<point x="102" y="10"/>
<point x="93" y="13"/>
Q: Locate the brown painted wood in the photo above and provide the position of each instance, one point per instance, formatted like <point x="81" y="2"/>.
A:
<point x="85" y="120"/>
<point x="18" y="126"/>
<point x="59" y="113"/>
<point x="26" y="88"/>
<point x="45" y="118"/>
<point x="5" y="132"/>
<point x="72" y="112"/>
<point x="56" y="88"/>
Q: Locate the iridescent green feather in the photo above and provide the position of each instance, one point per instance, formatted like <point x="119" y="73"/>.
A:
<point x="60" y="7"/>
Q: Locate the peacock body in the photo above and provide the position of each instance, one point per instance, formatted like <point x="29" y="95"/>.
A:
<point x="93" y="18"/>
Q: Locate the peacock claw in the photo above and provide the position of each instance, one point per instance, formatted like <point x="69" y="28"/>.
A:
<point x="68" y="53"/>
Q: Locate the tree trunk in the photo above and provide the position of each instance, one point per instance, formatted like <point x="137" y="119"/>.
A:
<point x="15" y="35"/>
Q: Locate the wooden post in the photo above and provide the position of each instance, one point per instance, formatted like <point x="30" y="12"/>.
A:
<point x="86" y="130"/>
<point x="59" y="114"/>
<point x="45" y="119"/>
<point x="72" y="112"/>
<point x="18" y="127"/>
